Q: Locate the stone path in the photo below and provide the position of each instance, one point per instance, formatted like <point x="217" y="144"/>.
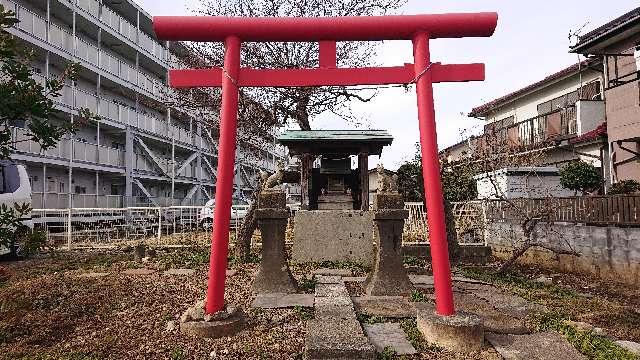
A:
<point x="389" y="335"/>
<point x="538" y="346"/>
<point x="335" y="333"/>
<point x="179" y="272"/>
<point x="277" y="301"/>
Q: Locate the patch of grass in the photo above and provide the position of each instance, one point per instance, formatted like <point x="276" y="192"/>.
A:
<point x="521" y="285"/>
<point x="185" y="258"/>
<point x="387" y="354"/>
<point x="370" y="319"/>
<point x="303" y="313"/>
<point x="418" y="296"/>
<point x="177" y="353"/>
<point x="254" y="258"/>
<point x="307" y="284"/>
<point x="589" y="344"/>
<point x="410" y="327"/>
<point x="414" y="261"/>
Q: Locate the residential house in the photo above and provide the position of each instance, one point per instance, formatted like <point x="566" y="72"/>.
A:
<point x="617" y="45"/>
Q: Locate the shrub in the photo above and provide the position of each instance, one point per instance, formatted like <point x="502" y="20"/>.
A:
<point x="624" y="187"/>
<point x="580" y="176"/>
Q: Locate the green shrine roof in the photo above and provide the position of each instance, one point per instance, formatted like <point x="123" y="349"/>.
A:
<point x="335" y="141"/>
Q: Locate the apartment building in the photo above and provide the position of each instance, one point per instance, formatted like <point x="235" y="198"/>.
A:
<point x="142" y="150"/>
<point x="617" y="45"/>
<point x="561" y="117"/>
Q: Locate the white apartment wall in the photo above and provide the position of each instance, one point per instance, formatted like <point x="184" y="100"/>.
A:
<point x="526" y="107"/>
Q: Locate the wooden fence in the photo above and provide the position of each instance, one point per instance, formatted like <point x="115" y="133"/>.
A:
<point x="621" y="210"/>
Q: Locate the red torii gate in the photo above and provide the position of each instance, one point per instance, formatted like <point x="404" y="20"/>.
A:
<point x="420" y="29"/>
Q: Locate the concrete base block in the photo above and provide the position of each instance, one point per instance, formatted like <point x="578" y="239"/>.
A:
<point x="226" y="322"/>
<point x="214" y="329"/>
<point x="462" y="332"/>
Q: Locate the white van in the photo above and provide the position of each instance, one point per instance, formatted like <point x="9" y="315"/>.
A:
<point x="14" y="189"/>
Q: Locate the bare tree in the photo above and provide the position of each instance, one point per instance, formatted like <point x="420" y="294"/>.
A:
<point x="496" y="151"/>
<point x="262" y="109"/>
<point x="301" y="104"/>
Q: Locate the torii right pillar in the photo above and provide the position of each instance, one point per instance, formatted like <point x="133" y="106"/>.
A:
<point x="431" y="176"/>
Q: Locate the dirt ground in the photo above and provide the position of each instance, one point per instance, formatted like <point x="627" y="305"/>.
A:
<point x="613" y="307"/>
<point x="49" y="311"/>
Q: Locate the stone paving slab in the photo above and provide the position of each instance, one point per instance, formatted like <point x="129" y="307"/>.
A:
<point x="538" y="346"/>
<point x="385" y="306"/>
<point x="278" y="301"/>
<point x="428" y="280"/>
<point x="389" y="335"/>
<point x="93" y="275"/>
<point x="138" y="272"/>
<point x="331" y="290"/>
<point x="354" y="278"/>
<point x="333" y="272"/>
<point x="337" y="339"/>
<point x="631" y="346"/>
<point x="334" y="308"/>
<point x="323" y="279"/>
<point x="181" y="272"/>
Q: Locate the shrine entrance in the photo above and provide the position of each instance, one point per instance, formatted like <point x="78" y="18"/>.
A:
<point x="420" y="29"/>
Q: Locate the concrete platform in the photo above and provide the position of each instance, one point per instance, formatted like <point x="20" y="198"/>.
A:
<point x="385" y="306"/>
<point x="333" y="272"/>
<point x="538" y="346"/>
<point x="389" y="335"/>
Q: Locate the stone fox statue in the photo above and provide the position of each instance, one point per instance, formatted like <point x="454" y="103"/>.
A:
<point x="276" y="179"/>
<point x="386" y="183"/>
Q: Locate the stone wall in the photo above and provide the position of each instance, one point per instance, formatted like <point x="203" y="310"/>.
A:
<point x="607" y="252"/>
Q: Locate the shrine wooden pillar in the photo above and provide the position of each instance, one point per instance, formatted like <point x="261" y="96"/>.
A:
<point x="305" y="176"/>
<point x="363" y="168"/>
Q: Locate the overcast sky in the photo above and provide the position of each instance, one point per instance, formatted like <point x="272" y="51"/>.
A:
<point x="531" y="42"/>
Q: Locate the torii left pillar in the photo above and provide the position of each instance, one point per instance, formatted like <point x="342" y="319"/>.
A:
<point x="224" y="184"/>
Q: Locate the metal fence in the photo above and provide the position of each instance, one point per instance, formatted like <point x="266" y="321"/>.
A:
<point x="108" y="227"/>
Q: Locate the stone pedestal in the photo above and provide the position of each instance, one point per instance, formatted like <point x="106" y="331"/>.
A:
<point x="389" y="277"/>
<point x="274" y="275"/>
<point x="226" y="322"/>
<point x="462" y="332"/>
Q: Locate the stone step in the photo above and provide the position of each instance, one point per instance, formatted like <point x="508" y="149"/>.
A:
<point x="389" y="335"/>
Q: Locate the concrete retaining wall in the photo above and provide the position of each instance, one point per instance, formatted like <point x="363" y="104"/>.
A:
<point x="608" y="252"/>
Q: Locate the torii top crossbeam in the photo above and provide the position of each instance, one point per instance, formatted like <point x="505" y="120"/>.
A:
<point x="349" y="28"/>
<point x="327" y="31"/>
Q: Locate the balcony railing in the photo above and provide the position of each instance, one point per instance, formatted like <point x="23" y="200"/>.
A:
<point x="36" y="25"/>
<point x="41" y="200"/>
<point x="556" y="125"/>
<point x="86" y="152"/>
